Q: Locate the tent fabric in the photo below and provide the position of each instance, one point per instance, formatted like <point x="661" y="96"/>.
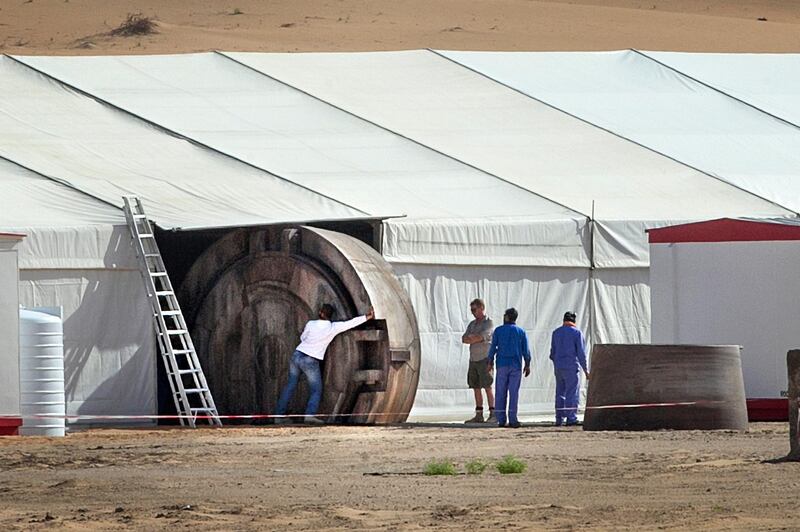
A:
<point x="632" y="95"/>
<point x="441" y="104"/>
<point x="29" y="199"/>
<point x="527" y="179"/>
<point x="278" y="128"/>
<point x="57" y="132"/>
<point x="770" y="82"/>
<point x="491" y="241"/>
<point x="77" y="254"/>
<point x="441" y="295"/>
<point x="109" y="347"/>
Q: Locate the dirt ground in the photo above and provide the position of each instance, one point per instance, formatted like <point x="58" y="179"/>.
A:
<point x="82" y="26"/>
<point x="329" y="478"/>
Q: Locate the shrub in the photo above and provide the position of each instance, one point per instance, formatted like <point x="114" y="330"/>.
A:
<point x="511" y="465"/>
<point x="476" y="466"/>
<point x="135" y="24"/>
<point x="440" y="467"/>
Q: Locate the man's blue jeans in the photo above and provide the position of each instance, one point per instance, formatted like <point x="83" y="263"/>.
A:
<point x="506" y="394"/>
<point x="567" y="390"/>
<point x="309" y="366"/>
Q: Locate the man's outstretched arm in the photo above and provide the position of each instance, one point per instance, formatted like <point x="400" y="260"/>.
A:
<point x="341" y="326"/>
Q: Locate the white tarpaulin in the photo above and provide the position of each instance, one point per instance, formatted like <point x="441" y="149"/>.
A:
<point x="466" y="115"/>
<point x="78" y="255"/>
<point x="527" y="179"/>
<point x="770" y="82"/>
<point x="107" y="154"/>
<point x="631" y="95"/>
<point x="282" y="130"/>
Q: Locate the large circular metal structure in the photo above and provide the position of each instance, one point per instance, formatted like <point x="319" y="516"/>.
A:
<point x="651" y="387"/>
<point x="248" y="297"/>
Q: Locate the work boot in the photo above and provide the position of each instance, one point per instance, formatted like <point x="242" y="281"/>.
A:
<point x="492" y="418"/>
<point x="312" y="420"/>
<point x="478" y="418"/>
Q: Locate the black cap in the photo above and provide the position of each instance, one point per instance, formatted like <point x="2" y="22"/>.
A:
<point x="569" y="316"/>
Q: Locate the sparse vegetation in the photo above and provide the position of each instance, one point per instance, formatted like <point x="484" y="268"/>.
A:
<point x="237" y="11"/>
<point x="135" y="24"/>
<point x="440" y="467"/>
<point x="476" y="466"/>
<point x="511" y="465"/>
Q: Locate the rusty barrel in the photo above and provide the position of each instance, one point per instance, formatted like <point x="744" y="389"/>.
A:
<point x="248" y="297"/>
<point x="652" y="387"/>
<point x="793" y="368"/>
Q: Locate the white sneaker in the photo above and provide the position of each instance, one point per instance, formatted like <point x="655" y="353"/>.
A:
<point x="311" y="420"/>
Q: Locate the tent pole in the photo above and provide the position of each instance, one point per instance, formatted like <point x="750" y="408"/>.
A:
<point x="592" y="310"/>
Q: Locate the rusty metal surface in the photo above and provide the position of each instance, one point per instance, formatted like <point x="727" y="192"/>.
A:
<point x="708" y="376"/>
<point x="793" y="368"/>
<point x="249" y="295"/>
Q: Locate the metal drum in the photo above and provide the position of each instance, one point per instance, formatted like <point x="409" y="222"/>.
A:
<point x="651" y="387"/>
<point x="248" y="297"/>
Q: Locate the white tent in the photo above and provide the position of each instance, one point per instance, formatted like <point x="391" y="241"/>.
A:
<point x="505" y="194"/>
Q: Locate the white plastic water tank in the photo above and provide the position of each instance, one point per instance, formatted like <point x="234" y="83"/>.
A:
<point x="41" y="367"/>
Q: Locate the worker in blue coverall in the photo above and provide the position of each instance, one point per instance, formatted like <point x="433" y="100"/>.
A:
<point x="568" y="353"/>
<point x="510" y="347"/>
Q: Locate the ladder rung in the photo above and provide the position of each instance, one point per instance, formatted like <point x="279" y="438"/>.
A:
<point x="187" y="371"/>
<point x="165" y="293"/>
<point x="181" y="351"/>
<point x="193" y="390"/>
<point x="151" y="254"/>
<point x="170" y="312"/>
<point x="145" y="235"/>
<point x="173" y="332"/>
<point x="139" y="216"/>
<point x="198" y="410"/>
<point x="158" y="274"/>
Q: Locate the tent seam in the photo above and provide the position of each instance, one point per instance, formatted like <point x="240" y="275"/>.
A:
<point x="715" y="89"/>
<point x="614" y="133"/>
<point x="398" y="134"/>
<point x="178" y="135"/>
<point x="61" y="182"/>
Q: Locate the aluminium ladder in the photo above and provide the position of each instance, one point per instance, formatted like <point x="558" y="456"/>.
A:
<point x="187" y="382"/>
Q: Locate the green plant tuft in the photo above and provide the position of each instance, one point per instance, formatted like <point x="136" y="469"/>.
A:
<point x="476" y="466"/>
<point x="511" y="465"/>
<point x="440" y="467"/>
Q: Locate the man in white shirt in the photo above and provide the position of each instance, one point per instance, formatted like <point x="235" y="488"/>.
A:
<point x="314" y="341"/>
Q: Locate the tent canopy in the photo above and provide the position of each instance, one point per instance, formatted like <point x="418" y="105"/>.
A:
<point x="527" y="179"/>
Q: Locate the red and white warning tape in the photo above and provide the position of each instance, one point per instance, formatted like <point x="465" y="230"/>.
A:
<point x="99" y="417"/>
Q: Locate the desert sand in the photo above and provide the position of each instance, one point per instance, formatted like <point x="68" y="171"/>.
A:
<point x="83" y="26"/>
<point x="303" y="478"/>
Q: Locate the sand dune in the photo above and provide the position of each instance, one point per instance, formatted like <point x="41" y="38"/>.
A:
<point x="82" y="26"/>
